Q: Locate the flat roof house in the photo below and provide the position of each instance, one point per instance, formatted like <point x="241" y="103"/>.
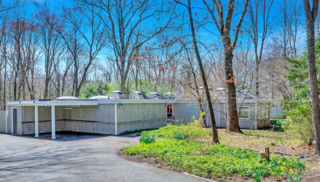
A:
<point x="114" y="114"/>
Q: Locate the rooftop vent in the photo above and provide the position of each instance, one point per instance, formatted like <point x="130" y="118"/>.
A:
<point x="179" y="94"/>
<point x="154" y="95"/>
<point x="201" y="88"/>
<point x="219" y="89"/>
<point x="100" y="97"/>
<point x="168" y="96"/>
<point x="117" y="95"/>
<point x="138" y="95"/>
<point x="67" y="98"/>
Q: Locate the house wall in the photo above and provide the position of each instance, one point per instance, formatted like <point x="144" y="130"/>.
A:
<point x="263" y="116"/>
<point x="137" y="116"/>
<point x="2" y="121"/>
<point x="245" y="123"/>
<point x="183" y="112"/>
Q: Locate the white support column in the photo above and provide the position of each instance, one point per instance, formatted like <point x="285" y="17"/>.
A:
<point x="115" y="119"/>
<point x="6" y="119"/>
<point x="36" y="121"/>
<point x="53" y="123"/>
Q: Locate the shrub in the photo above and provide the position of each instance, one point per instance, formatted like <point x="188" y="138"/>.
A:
<point x="190" y="131"/>
<point x="148" y="138"/>
<point x="301" y="117"/>
<point x="179" y="135"/>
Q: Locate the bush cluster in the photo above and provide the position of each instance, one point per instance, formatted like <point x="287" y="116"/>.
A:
<point x="148" y="138"/>
<point x="180" y="132"/>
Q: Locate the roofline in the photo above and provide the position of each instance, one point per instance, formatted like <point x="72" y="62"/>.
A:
<point x="93" y="102"/>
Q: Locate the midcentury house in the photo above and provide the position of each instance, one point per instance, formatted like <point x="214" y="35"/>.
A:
<point x="114" y="114"/>
<point x="254" y="110"/>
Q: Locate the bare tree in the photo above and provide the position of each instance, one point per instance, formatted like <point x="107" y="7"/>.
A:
<point x="224" y="28"/>
<point x="311" y="11"/>
<point x="80" y="18"/>
<point x="126" y="21"/>
<point x="51" y="43"/>
<point x="202" y="71"/>
<point x="259" y="10"/>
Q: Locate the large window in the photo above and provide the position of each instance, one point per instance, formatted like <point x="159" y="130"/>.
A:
<point x="244" y="112"/>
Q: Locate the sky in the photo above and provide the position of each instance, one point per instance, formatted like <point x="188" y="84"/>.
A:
<point x="55" y="4"/>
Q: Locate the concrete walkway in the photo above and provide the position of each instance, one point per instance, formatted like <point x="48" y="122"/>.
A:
<point x="74" y="157"/>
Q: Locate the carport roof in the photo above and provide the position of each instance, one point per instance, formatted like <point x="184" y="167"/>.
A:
<point x="79" y="102"/>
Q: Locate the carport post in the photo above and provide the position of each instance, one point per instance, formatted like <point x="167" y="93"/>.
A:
<point x="36" y="121"/>
<point x="7" y="119"/>
<point x="53" y="123"/>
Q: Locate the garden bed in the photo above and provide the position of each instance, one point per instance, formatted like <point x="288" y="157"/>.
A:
<point x="235" y="160"/>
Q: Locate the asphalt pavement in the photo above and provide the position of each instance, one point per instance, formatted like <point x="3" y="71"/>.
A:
<point x="76" y="157"/>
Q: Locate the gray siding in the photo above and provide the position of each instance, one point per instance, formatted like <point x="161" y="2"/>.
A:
<point x="2" y="121"/>
<point x="184" y="112"/>
<point x="137" y="116"/>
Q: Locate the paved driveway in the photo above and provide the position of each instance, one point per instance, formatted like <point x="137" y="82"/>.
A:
<point x="74" y="157"/>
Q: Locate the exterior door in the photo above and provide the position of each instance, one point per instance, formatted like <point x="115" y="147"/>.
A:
<point x="14" y="120"/>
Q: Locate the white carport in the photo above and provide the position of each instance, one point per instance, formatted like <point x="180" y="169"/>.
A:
<point x="52" y="104"/>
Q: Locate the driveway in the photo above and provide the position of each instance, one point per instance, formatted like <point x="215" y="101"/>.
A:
<point x="76" y="157"/>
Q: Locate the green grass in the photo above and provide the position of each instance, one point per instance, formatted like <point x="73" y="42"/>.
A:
<point x="210" y="160"/>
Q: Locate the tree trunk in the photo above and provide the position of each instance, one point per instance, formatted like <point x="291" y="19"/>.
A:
<point x="215" y="138"/>
<point x="203" y="116"/>
<point x="257" y="77"/>
<point x="313" y="83"/>
<point x="312" y="71"/>
<point x="231" y="96"/>
<point x="45" y="95"/>
<point x="15" y="86"/>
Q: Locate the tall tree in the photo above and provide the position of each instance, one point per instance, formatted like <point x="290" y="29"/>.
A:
<point x="89" y="27"/>
<point x="51" y="43"/>
<point x="130" y="26"/>
<point x="259" y="11"/>
<point x="195" y="43"/>
<point x="311" y="11"/>
<point x="225" y="30"/>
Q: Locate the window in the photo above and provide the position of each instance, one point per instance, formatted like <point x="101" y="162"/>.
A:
<point x="244" y="112"/>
